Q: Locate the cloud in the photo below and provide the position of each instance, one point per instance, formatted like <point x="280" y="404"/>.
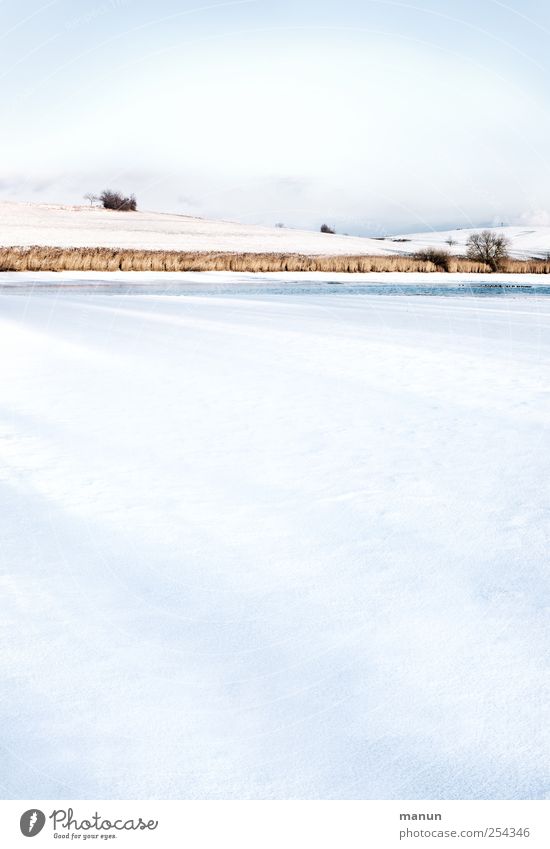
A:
<point x="535" y="218"/>
<point x="25" y="186"/>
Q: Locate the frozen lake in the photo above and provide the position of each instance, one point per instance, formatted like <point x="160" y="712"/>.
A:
<point x="218" y="283"/>
<point x="282" y="542"/>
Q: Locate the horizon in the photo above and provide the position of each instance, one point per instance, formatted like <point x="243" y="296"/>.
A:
<point x="378" y="118"/>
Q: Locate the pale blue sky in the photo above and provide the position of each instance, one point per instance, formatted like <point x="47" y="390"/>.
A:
<point x="375" y="116"/>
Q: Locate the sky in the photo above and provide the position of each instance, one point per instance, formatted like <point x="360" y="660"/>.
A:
<point x="373" y="116"/>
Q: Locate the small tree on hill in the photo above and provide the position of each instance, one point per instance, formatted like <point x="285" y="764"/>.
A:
<point x="489" y="248"/>
<point x="91" y="197"/>
<point x="326" y="229"/>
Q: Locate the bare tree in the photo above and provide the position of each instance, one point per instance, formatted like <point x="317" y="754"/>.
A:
<point x="450" y="241"/>
<point x="489" y="248"/>
<point x="326" y="229"/>
<point x="92" y="198"/>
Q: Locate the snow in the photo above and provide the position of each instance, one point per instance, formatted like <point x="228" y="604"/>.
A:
<point x="25" y="224"/>
<point x="274" y="545"/>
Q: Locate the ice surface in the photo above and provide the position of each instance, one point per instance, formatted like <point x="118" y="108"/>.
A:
<point x="274" y="546"/>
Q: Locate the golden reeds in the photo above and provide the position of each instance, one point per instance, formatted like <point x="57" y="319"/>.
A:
<point x="525" y="266"/>
<point x="128" y="259"/>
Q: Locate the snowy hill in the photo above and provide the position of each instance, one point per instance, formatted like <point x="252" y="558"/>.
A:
<point x="26" y="224"/>
<point x="525" y="242"/>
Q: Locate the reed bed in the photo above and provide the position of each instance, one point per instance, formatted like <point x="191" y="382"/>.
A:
<point x="525" y="266"/>
<point x="108" y="259"/>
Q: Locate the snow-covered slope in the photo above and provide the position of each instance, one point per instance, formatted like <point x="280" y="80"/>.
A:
<point x="25" y="224"/>
<point x="79" y="226"/>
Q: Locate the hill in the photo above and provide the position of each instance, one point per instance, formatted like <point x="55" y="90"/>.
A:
<point x="27" y="224"/>
<point x="525" y="242"/>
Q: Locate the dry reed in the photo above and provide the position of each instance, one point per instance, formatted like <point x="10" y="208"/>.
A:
<point x="127" y="259"/>
<point x="524" y="266"/>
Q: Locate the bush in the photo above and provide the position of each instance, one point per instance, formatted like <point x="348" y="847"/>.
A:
<point x="439" y="257"/>
<point x="489" y="248"/>
<point x="326" y="229"/>
<point x="118" y="201"/>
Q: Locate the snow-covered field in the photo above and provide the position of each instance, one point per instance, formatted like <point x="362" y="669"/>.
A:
<point x="25" y="224"/>
<point x="274" y="545"/>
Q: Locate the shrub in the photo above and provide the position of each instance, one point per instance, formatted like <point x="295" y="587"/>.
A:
<point x="439" y="257"/>
<point x="118" y="201"/>
<point x="326" y="229"/>
<point x="489" y="248"/>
